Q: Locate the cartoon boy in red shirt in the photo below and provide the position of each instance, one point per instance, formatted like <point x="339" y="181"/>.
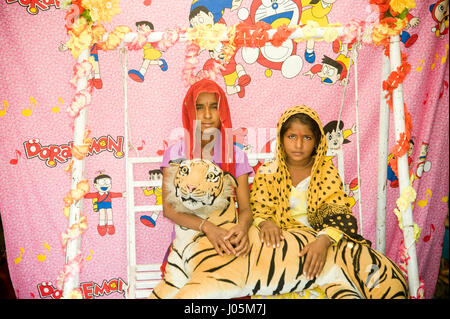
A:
<point x="102" y="203"/>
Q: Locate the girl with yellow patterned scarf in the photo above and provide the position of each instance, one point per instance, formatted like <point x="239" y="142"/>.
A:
<point x="301" y="189"/>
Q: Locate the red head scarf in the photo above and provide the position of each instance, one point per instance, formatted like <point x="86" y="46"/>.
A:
<point x="189" y="114"/>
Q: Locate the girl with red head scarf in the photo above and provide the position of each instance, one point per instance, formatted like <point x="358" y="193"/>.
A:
<point x="208" y="134"/>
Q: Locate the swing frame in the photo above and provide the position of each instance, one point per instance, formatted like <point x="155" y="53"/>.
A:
<point x="73" y="247"/>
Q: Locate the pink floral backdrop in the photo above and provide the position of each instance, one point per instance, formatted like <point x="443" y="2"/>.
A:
<point x="36" y="132"/>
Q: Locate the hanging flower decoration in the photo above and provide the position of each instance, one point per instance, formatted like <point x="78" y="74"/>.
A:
<point x="80" y="151"/>
<point x="399" y="6"/>
<point x="404" y="259"/>
<point x="70" y="269"/>
<point x="190" y="62"/>
<point x="206" y="36"/>
<point x="407" y="197"/>
<point x="75" y="231"/>
<point x="102" y="10"/>
<point x="170" y="38"/>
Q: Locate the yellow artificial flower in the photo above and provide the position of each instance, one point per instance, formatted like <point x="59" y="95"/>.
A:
<point x="417" y="231"/>
<point x="98" y="31"/>
<point x="330" y="35"/>
<point x="310" y="29"/>
<point x="77" y="44"/>
<point x="402" y="204"/>
<point x="114" y="38"/>
<point x="399" y="217"/>
<point x="102" y="10"/>
<point x="79" y="25"/>
<point x="400" y="5"/>
<point x="207" y="36"/>
<point x="409" y="194"/>
<point x="382" y="31"/>
<point x="75" y="294"/>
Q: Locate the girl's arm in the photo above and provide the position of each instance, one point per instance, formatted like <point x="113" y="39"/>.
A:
<point x="243" y="200"/>
<point x="214" y="233"/>
<point x="238" y="234"/>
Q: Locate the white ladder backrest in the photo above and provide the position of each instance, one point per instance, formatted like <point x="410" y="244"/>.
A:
<point x="141" y="278"/>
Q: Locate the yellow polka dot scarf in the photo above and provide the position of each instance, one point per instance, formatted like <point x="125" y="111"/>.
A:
<point x="328" y="205"/>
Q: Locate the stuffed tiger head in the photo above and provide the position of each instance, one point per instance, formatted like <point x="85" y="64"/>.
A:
<point x="198" y="186"/>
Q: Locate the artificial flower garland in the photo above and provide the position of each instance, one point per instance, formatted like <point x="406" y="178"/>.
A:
<point x="407" y="197"/>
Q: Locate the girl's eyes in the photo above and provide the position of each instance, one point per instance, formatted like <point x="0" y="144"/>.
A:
<point x="306" y="137"/>
<point x="201" y="107"/>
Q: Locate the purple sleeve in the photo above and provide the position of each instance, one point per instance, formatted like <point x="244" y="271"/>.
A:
<point x="242" y="165"/>
<point x="174" y="152"/>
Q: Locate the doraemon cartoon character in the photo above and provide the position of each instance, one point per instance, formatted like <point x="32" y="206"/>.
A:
<point x="275" y="13"/>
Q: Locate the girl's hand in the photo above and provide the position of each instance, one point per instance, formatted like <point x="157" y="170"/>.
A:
<point x="316" y="254"/>
<point x="238" y="237"/>
<point x="216" y="236"/>
<point x="270" y="233"/>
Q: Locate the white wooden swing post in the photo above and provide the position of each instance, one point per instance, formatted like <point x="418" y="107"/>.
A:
<point x="73" y="246"/>
<point x="383" y="145"/>
<point x="403" y="171"/>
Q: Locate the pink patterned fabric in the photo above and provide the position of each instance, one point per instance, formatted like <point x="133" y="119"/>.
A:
<point x="36" y="134"/>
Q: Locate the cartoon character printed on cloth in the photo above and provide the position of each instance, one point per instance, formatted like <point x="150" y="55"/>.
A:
<point x="102" y="203"/>
<point x="391" y="176"/>
<point x="352" y="191"/>
<point x="423" y="166"/>
<point x="405" y="37"/>
<point x="336" y="136"/>
<point x="276" y="13"/>
<point x="317" y="11"/>
<point x="151" y="54"/>
<point x="331" y="70"/>
<point x="439" y="13"/>
<point x="210" y="12"/>
<point x="93" y="52"/>
<point x="96" y="81"/>
<point x="155" y="176"/>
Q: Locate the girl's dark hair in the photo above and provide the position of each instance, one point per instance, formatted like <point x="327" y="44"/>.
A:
<point x="101" y="176"/>
<point x="306" y="120"/>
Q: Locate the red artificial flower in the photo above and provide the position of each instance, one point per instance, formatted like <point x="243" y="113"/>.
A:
<point x="282" y="34"/>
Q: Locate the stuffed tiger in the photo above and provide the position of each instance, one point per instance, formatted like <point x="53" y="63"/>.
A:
<point x="196" y="270"/>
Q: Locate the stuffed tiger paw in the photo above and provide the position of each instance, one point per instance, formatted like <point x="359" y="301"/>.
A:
<point x="196" y="270"/>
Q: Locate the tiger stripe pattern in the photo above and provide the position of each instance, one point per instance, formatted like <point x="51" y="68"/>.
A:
<point x="196" y="270"/>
